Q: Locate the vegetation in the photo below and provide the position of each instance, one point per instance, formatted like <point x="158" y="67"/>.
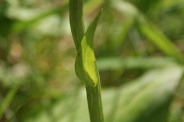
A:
<point x="138" y="47"/>
<point x="85" y="64"/>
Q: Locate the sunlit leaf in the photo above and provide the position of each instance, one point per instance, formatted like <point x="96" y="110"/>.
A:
<point x="85" y="64"/>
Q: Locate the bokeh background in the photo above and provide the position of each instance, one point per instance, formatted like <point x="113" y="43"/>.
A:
<point x="139" y="46"/>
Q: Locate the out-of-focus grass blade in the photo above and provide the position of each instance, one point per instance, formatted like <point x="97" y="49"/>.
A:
<point x="13" y="81"/>
<point x="151" y="32"/>
<point x="159" y="39"/>
<point x="21" y="26"/>
<point x="133" y="63"/>
<point x="8" y="99"/>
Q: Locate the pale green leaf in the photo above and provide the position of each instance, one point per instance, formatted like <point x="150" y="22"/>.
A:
<point x="85" y="64"/>
<point x="146" y="99"/>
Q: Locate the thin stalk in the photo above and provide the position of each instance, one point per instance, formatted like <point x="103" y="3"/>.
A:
<point x="85" y="64"/>
<point x="95" y="103"/>
<point x="76" y="21"/>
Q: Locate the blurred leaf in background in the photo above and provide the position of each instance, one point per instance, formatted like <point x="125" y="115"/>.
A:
<point x="147" y="99"/>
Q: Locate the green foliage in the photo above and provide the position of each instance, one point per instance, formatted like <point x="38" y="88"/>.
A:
<point x="85" y="64"/>
<point x="147" y="99"/>
<point x="139" y="50"/>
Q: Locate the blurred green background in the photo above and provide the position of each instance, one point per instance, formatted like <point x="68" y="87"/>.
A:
<point x="139" y="46"/>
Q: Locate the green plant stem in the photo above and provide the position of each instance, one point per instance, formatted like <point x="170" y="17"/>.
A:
<point x="85" y="46"/>
<point x="76" y="21"/>
<point x="95" y="103"/>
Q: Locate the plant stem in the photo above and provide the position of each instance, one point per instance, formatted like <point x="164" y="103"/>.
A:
<point x="76" y="21"/>
<point x="87" y="75"/>
<point x="95" y="103"/>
